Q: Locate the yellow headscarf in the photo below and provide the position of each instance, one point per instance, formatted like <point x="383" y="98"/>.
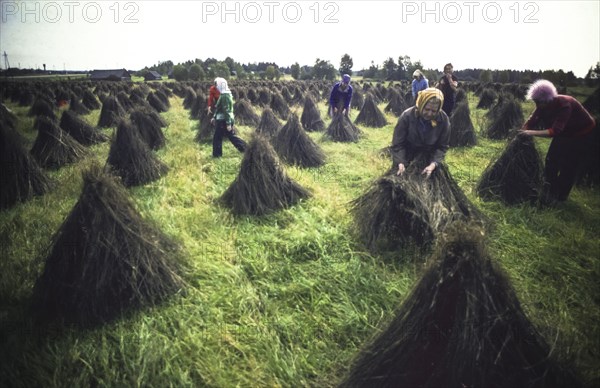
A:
<point x="427" y="94"/>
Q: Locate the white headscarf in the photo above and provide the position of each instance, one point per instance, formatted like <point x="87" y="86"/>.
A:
<point x="222" y="86"/>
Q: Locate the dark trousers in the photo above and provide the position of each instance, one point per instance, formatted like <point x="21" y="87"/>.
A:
<point x="220" y="132"/>
<point x="448" y="106"/>
<point x="562" y="162"/>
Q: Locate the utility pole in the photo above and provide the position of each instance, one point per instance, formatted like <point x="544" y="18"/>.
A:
<point x="6" y="63"/>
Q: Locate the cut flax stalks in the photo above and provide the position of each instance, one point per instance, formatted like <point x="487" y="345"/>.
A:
<point x="132" y="159"/>
<point x="390" y="213"/>
<point x="262" y="185"/>
<point x="157" y="103"/>
<point x="42" y="107"/>
<point x="505" y="117"/>
<point x="80" y="130"/>
<point x="516" y="176"/>
<point x="77" y="107"/>
<point x="111" y="113"/>
<point x="21" y="178"/>
<point x="206" y="129"/>
<point x="269" y="125"/>
<point x="397" y="104"/>
<point x="149" y="128"/>
<point x="53" y="147"/>
<point x="411" y="209"/>
<point x="90" y="101"/>
<point x="461" y="326"/>
<point x="294" y="146"/>
<point x="244" y="114"/>
<point x="341" y="129"/>
<point x="311" y="117"/>
<point x="487" y="99"/>
<point x="279" y="105"/>
<point x="8" y="117"/>
<point x="462" y="132"/>
<point x="105" y="259"/>
<point x="370" y="115"/>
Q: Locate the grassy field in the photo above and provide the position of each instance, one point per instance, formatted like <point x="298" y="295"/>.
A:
<point x="290" y="298"/>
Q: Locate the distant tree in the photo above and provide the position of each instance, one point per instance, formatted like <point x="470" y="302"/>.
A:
<point x="295" y="70"/>
<point x="219" y="69"/>
<point x="180" y="73"/>
<point x="390" y="68"/>
<point x="503" y="76"/>
<point x="525" y="79"/>
<point x="305" y="73"/>
<point x="593" y="75"/>
<point x="162" y="67"/>
<point x="401" y="69"/>
<point x="432" y="76"/>
<point x="209" y="62"/>
<point x="271" y="72"/>
<point x="485" y="76"/>
<point x="411" y="67"/>
<point x="230" y="63"/>
<point x="346" y="64"/>
<point x="240" y="72"/>
<point x="323" y="70"/>
<point x="196" y="73"/>
<point x="407" y="65"/>
<point x="372" y="71"/>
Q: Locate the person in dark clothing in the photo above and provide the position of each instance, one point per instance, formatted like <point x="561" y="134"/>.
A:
<point x="448" y="84"/>
<point x="569" y="125"/>
<point x="423" y="128"/>
<point x="224" y="121"/>
<point x="340" y="97"/>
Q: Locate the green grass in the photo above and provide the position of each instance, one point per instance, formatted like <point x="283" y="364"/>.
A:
<point x="286" y="299"/>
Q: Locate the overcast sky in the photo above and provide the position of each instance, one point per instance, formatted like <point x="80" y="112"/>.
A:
<point x="83" y="35"/>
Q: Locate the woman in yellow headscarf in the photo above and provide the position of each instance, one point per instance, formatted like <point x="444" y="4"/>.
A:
<point x="422" y="131"/>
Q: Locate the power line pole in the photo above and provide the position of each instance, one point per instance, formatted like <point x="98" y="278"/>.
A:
<point x="6" y="63"/>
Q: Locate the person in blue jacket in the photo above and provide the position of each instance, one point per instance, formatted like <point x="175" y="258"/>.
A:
<point x="340" y="97"/>
<point x="419" y="83"/>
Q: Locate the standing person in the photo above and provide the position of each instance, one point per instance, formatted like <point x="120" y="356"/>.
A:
<point x="340" y="97"/>
<point x="448" y="84"/>
<point x="213" y="95"/>
<point x="423" y="130"/>
<point x="569" y="125"/>
<point x="419" y="83"/>
<point x="224" y="121"/>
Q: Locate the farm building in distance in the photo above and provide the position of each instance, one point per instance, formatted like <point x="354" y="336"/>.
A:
<point x="110" y="75"/>
<point x="152" y="76"/>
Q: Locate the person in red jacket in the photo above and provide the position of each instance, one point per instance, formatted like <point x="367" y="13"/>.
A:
<point x="569" y="125"/>
<point x="213" y="95"/>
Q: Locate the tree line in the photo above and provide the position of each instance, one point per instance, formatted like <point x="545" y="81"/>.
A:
<point x="391" y="69"/>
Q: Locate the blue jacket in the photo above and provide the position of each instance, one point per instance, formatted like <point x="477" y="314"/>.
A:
<point x="418" y="85"/>
<point x="338" y="95"/>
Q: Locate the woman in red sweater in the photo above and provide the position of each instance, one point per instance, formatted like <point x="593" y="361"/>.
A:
<point x="569" y="125"/>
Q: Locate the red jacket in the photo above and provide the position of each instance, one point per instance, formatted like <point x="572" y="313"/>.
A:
<point x="213" y="96"/>
<point x="564" y="116"/>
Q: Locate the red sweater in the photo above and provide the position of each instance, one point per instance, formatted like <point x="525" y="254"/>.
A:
<point x="213" y="96"/>
<point x="564" y="116"/>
